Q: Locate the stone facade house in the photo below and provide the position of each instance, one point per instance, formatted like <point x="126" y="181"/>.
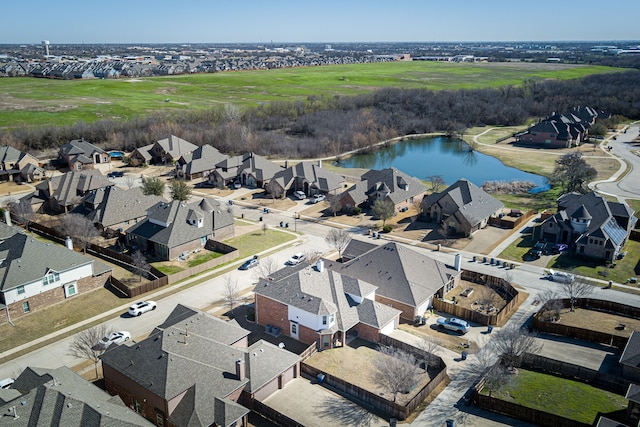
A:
<point x="172" y="228"/>
<point x="560" y="130"/>
<point x="196" y="370"/>
<point x="19" y="166"/>
<point x="35" y="275"/>
<point x="62" y="193"/>
<point x="199" y="163"/>
<point x="463" y="207"/>
<point x="308" y="177"/>
<point x="248" y="169"/>
<point x="323" y="307"/>
<point x="169" y="150"/>
<point x="81" y="155"/>
<point x="142" y="155"/>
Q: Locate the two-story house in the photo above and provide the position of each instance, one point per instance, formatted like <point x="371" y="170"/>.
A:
<point x="170" y="149"/>
<point x="81" y="155"/>
<point x="308" y="177"/>
<point x="17" y="165"/>
<point x="199" y="163"/>
<point x="248" y="169"/>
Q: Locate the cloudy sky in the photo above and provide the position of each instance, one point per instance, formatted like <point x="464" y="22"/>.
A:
<point x="281" y="21"/>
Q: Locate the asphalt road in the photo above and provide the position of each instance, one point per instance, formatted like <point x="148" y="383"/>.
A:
<point x="629" y="185"/>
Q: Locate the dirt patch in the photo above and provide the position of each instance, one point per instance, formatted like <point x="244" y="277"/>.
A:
<point x="444" y="338"/>
<point x="598" y="321"/>
<point x="474" y="296"/>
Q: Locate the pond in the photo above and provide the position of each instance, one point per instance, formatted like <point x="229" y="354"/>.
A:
<point x="449" y="158"/>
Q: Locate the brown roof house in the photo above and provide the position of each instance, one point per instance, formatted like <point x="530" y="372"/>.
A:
<point x="172" y="228"/>
<point x="196" y="370"/>
<point x="406" y="280"/>
<point x="308" y="177"/>
<point x="81" y="155"/>
<point x="35" y="275"/>
<point x="60" y="397"/>
<point x="463" y="207"/>
<point x="199" y="163"/>
<point x="142" y="155"/>
<point x="591" y="225"/>
<point x="386" y="184"/>
<point x="62" y="193"/>
<point x="316" y="305"/>
<point x="19" y="166"/>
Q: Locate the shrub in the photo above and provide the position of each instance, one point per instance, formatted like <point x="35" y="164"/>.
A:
<point x="387" y="228"/>
<point x="357" y="210"/>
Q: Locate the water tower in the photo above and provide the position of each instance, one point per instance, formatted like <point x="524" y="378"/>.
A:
<point x="45" y="43"/>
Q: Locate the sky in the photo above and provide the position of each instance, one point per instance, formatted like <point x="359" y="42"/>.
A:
<point x="326" y="21"/>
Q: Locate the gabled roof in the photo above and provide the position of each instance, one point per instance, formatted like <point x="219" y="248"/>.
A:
<point x="69" y="188"/>
<point x="25" y="260"/>
<point x="167" y="223"/>
<point x="400" y="185"/>
<point x="258" y="166"/>
<point x="61" y="397"/>
<point x="202" y="159"/>
<point x="311" y="172"/>
<point x="472" y="202"/>
<point x="145" y="152"/>
<point x="80" y="146"/>
<point x="115" y="205"/>
<point x="176" y="147"/>
<point x="8" y="154"/>
<point x="631" y="353"/>
<point x="400" y="273"/>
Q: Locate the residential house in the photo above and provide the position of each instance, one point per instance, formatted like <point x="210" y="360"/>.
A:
<point x="308" y="177"/>
<point x="35" y="275"/>
<point x="62" y="193"/>
<point x="560" y="130"/>
<point x="387" y="184"/>
<point x="199" y="163"/>
<point x="406" y="280"/>
<point x="116" y="209"/>
<point x="248" y="169"/>
<point x="142" y="155"/>
<point x="321" y="306"/>
<point x="590" y="224"/>
<point x="197" y="370"/>
<point x="81" y="155"/>
<point x="19" y="166"/>
<point x="170" y="149"/>
<point x="630" y="358"/>
<point x="463" y="207"/>
<point x="60" y="397"/>
<point x="176" y="227"/>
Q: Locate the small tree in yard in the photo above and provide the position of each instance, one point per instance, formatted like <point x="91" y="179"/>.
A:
<point x="395" y="370"/>
<point x="180" y="190"/>
<point x="84" y="344"/>
<point x="495" y="375"/>
<point x="153" y="186"/>
<point x="79" y="228"/>
<point x="266" y="268"/>
<point x="430" y="348"/>
<point x="576" y="289"/>
<point x="22" y="209"/>
<point x="339" y="239"/>
<point x="140" y="263"/>
<point x="231" y="294"/>
<point x="511" y="343"/>
<point x="552" y="305"/>
<point x="383" y="209"/>
<point x="436" y="182"/>
<point x="335" y="205"/>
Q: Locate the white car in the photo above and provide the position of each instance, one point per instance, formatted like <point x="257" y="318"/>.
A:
<point x="296" y="259"/>
<point x="141" y="307"/>
<point x="299" y="195"/>
<point x="6" y="383"/>
<point x="317" y="198"/>
<point x="113" y="338"/>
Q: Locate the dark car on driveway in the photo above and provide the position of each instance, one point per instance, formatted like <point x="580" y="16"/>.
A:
<point x="550" y="249"/>
<point x="537" y="250"/>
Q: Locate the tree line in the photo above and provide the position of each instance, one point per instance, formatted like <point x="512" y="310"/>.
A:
<point x="327" y="126"/>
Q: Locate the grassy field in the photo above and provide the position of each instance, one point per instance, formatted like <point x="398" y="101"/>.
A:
<point x="569" y="399"/>
<point x="34" y="102"/>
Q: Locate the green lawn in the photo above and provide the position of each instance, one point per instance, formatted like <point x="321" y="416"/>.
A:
<point x="569" y="399"/>
<point x="252" y="243"/>
<point x="36" y="102"/>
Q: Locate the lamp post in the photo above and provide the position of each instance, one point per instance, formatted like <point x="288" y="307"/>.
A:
<point x="295" y="222"/>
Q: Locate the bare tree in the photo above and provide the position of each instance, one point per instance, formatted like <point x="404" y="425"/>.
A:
<point x="231" y="294"/>
<point x="22" y="209"/>
<point x="140" y="263"/>
<point x="84" y="344"/>
<point x="576" y="289"/>
<point x="512" y="342"/>
<point x="130" y="181"/>
<point x="437" y="182"/>
<point x="486" y="297"/>
<point x="275" y="190"/>
<point x="335" y="205"/>
<point x="313" y="256"/>
<point x="430" y="348"/>
<point x="494" y="374"/>
<point x="266" y="268"/>
<point x="395" y="370"/>
<point x="339" y="239"/>
<point x="551" y="305"/>
<point x="79" y="228"/>
<point x="383" y="209"/>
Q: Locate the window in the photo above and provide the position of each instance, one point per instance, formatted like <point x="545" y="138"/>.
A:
<point x="50" y="278"/>
<point x="324" y="320"/>
<point x="159" y="419"/>
<point x="20" y="290"/>
<point x="294" y="329"/>
<point x="332" y="318"/>
<point x="70" y="290"/>
<point x="25" y="307"/>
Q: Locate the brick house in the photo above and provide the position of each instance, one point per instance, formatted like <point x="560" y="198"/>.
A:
<point x="387" y="184"/>
<point x="307" y="177"/>
<point x="199" y="163"/>
<point x="170" y="149"/>
<point x="81" y="155"/>
<point x="592" y="226"/>
<point x="19" y="166"/>
<point x="35" y="275"/>
<point x="172" y="228"/>
<point x="248" y="169"/>
<point x="196" y="370"/>
<point x="317" y="305"/>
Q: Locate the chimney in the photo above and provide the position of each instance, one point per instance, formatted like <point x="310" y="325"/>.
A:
<point x="320" y="163"/>
<point x="240" y="373"/>
<point x="7" y="217"/>
<point x="457" y="262"/>
<point x="68" y="243"/>
<point x="320" y="265"/>
<point x="286" y="164"/>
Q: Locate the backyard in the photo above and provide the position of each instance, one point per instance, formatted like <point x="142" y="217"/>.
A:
<point x="599" y="321"/>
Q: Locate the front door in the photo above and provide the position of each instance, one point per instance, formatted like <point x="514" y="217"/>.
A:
<point x="294" y="330"/>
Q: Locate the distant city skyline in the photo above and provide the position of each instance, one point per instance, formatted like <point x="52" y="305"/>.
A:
<point x="286" y="21"/>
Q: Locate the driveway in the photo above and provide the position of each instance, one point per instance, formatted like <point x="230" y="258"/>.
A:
<point x="627" y="187"/>
<point x="311" y="404"/>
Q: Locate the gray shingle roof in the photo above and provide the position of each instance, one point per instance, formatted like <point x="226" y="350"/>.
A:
<point x="176" y="147"/>
<point x="69" y="188"/>
<point x="401" y="186"/>
<point x="203" y="158"/>
<point x="25" y="260"/>
<point x="312" y="173"/>
<point x="114" y="205"/>
<point x="61" y="397"/>
<point x="631" y="353"/>
<point x="80" y="146"/>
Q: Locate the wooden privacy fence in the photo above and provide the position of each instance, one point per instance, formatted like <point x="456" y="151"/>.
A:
<point x="498" y="284"/>
<point x="509" y="222"/>
<point x="274" y="416"/>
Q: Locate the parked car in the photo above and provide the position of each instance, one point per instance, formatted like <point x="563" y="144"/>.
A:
<point x="237" y="185"/>
<point x="550" y="249"/>
<point x="250" y="263"/>
<point x="299" y="195"/>
<point x="317" y="198"/>
<point x="141" y="307"/>
<point x="115" y="174"/>
<point x="113" y="338"/>
<point x="560" y="277"/>
<point x="296" y="259"/>
<point x="454" y="324"/>
<point x="6" y="383"/>
<point x="537" y="250"/>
